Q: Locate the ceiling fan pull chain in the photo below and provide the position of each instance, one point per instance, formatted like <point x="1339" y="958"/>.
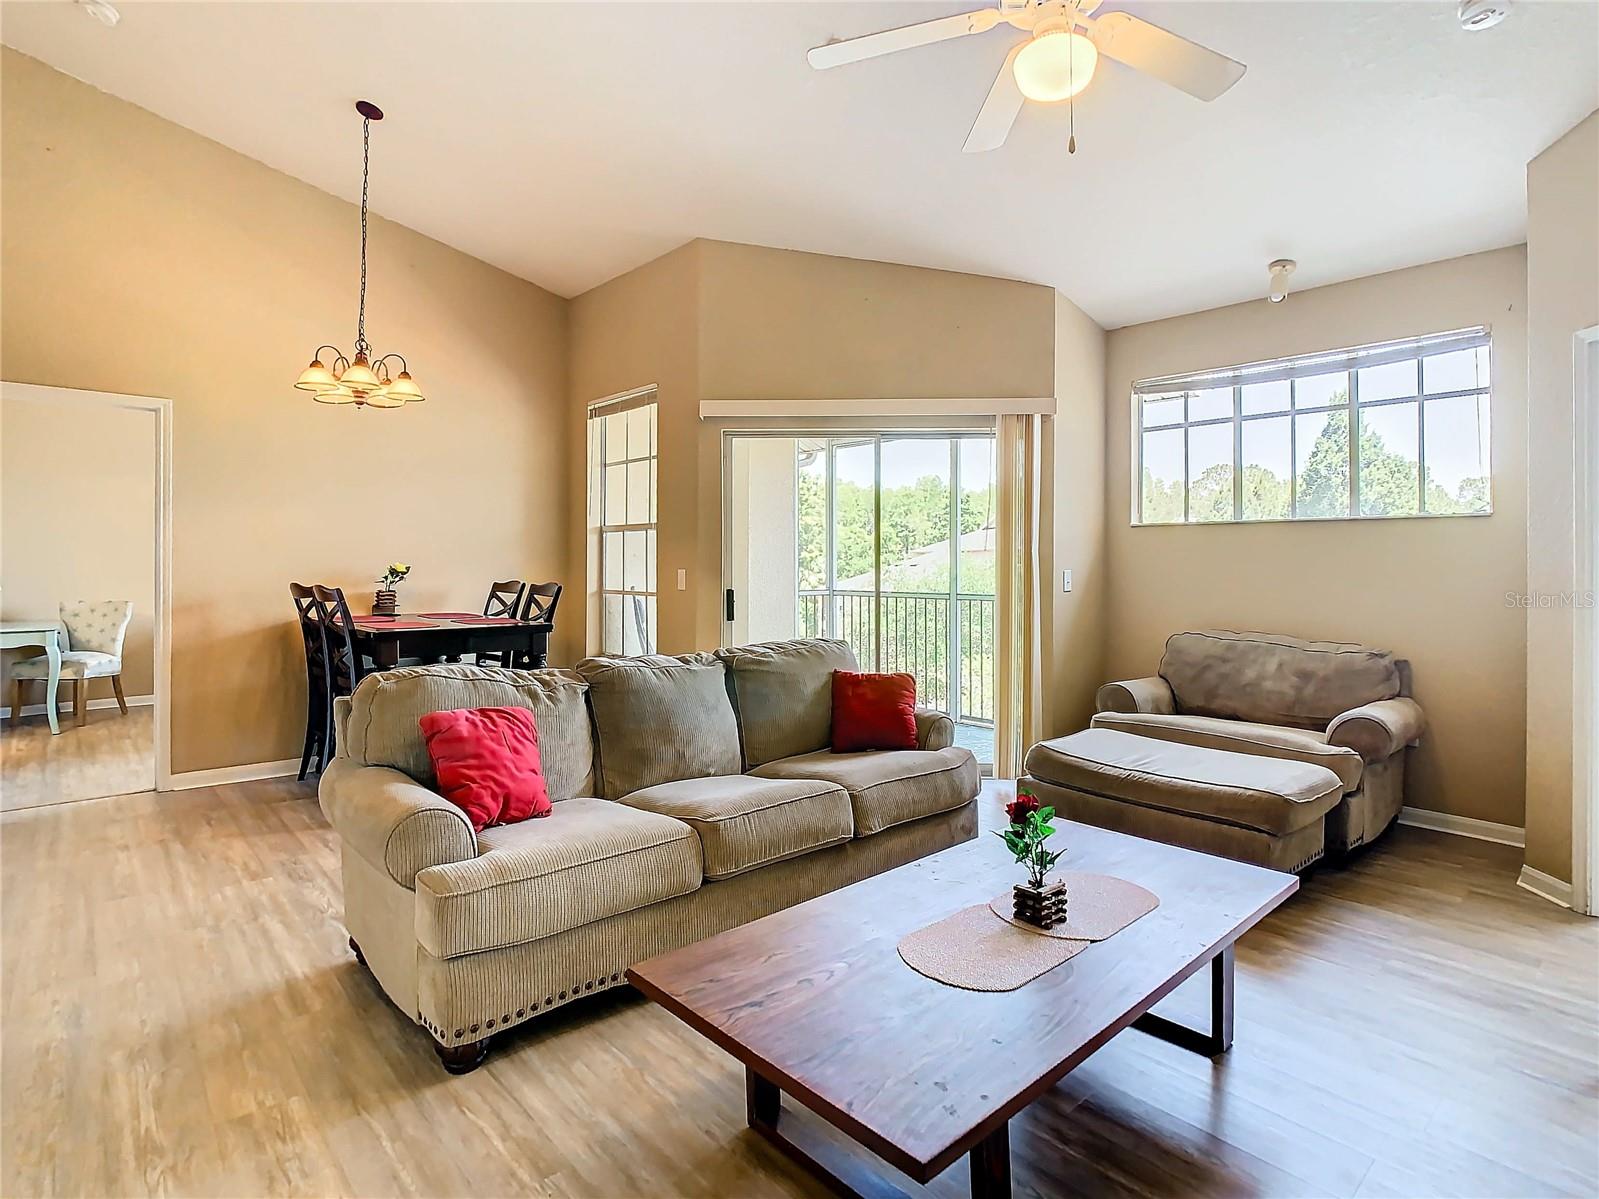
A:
<point x="1071" y="105"/>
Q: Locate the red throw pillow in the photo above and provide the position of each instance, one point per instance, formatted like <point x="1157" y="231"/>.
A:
<point x="873" y="711"/>
<point x="487" y="762"/>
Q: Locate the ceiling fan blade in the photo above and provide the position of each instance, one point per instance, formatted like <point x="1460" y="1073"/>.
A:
<point x="906" y="37"/>
<point x="998" y="113"/>
<point x="1185" y="65"/>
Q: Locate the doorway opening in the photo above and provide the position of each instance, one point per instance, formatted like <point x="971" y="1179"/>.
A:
<point x="883" y="540"/>
<point x="82" y="595"/>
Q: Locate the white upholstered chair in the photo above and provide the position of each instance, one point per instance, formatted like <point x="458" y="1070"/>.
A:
<point x="92" y="649"/>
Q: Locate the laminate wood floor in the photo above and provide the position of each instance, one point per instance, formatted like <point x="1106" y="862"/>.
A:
<point x="181" y="1016"/>
<point x="110" y="754"/>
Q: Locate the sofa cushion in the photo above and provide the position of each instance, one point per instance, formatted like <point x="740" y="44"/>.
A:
<point x="1244" y="737"/>
<point x="659" y="719"/>
<point x="381" y="727"/>
<point x="889" y="787"/>
<point x="589" y="859"/>
<point x="784" y="694"/>
<point x="745" y="822"/>
<point x="1275" y="679"/>
<point x="1268" y="794"/>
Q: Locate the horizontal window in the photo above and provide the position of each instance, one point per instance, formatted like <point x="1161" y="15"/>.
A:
<point x="1394" y="429"/>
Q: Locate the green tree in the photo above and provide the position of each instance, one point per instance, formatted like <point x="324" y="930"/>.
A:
<point x="1323" y="485"/>
<point x="915" y="516"/>
<point x="1163" y="502"/>
<point x="1266" y="497"/>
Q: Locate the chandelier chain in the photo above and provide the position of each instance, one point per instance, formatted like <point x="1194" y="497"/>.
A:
<point x="366" y="162"/>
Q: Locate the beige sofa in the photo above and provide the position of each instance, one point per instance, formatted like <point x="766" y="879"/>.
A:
<point x="692" y="794"/>
<point x="1338" y="707"/>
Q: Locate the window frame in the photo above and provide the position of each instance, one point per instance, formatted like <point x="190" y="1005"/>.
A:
<point x="600" y="589"/>
<point x="1349" y="361"/>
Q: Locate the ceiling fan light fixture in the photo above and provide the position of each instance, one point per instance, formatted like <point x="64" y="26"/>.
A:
<point x="1055" y="65"/>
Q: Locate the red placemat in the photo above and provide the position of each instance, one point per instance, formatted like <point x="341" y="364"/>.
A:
<point x="382" y="624"/>
<point x="484" y="620"/>
<point x="449" y="615"/>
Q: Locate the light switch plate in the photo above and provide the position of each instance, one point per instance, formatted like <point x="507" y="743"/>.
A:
<point x="682" y="579"/>
<point x="1065" y="580"/>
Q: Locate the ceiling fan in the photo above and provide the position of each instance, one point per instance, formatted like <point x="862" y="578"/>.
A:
<point x="1055" y="61"/>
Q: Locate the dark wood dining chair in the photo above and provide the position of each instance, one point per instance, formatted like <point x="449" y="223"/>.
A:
<point x="343" y="662"/>
<point x="505" y="599"/>
<point x="316" y="679"/>
<point x="539" y="604"/>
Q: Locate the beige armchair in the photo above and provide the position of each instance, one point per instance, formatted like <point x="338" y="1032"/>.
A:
<point x="1342" y="706"/>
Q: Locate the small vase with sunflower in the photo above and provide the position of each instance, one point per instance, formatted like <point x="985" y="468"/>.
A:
<point x="387" y="601"/>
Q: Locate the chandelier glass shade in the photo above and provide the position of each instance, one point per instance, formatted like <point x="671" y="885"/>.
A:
<point x="360" y="379"/>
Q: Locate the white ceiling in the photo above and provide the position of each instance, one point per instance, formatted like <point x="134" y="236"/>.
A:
<point x="569" y="142"/>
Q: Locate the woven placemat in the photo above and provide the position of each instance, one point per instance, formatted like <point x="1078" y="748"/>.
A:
<point x="1097" y="906"/>
<point x="975" y="952"/>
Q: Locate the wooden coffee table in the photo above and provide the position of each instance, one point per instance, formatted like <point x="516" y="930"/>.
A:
<point x="816" y="1003"/>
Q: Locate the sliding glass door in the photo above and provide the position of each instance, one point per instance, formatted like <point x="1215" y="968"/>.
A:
<point x="883" y="540"/>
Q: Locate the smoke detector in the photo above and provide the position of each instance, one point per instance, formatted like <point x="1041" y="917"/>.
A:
<point x="1279" y="272"/>
<point x="101" y="10"/>
<point x="1482" y="14"/>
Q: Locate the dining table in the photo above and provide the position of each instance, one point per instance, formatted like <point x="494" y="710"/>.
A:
<point x="46" y="634"/>
<point x="445" y="636"/>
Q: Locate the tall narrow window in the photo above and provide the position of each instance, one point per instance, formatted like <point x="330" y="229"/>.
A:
<point x="622" y="481"/>
<point x="1394" y="429"/>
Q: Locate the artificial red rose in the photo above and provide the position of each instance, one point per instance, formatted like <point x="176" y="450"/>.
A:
<point x="1023" y="806"/>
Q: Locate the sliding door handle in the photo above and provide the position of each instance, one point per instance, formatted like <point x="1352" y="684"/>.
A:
<point x="728" y="605"/>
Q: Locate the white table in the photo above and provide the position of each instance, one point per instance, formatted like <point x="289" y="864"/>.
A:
<point x="46" y="633"/>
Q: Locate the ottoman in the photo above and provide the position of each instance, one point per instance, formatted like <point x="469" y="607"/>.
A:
<point x="1267" y="811"/>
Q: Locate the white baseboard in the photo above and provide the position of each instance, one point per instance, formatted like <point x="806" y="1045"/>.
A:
<point x="95" y="705"/>
<point x="1545" y="886"/>
<point x="249" y="773"/>
<point x="1464" y="826"/>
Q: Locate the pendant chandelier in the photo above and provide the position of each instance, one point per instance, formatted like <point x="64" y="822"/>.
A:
<point x="358" y="379"/>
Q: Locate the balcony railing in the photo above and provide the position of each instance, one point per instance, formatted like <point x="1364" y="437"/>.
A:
<point x="917" y="640"/>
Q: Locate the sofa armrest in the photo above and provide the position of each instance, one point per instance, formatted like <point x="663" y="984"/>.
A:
<point x="1378" y="730"/>
<point x="341" y="726"/>
<point x="1152" y="695"/>
<point x="934" y="730"/>
<point x="395" y="823"/>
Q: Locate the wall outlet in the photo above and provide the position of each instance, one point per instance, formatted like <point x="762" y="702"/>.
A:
<point x="682" y="579"/>
<point x="1065" y="580"/>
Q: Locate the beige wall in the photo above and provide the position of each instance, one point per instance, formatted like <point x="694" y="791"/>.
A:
<point x="785" y="325"/>
<point x="77" y="521"/>
<point x="1432" y="590"/>
<point x="1073" y="534"/>
<point x="1562" y="298"/>
<point x="139" y="257"/>
<point x="715" y="320"/>
<point x="642" y="328"/>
